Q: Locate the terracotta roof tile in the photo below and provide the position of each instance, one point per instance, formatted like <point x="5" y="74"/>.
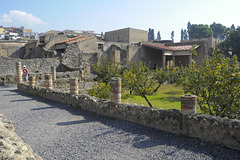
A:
<point x="171" y="48"/>
<point x="78" y="40"/>
<point x="158" y="46"/>
<point x="182" y="48"/>
<point x="71" y="39"/>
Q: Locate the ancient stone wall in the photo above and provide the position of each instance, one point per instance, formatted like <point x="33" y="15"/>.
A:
<point x="210" y="128"/>
<point x="12" y="146"/>
<point x="8" y="65"/>
<point x="12" y="49"/>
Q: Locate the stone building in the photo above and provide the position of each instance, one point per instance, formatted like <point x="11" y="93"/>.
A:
<point x="132" y="46"/>
<point x="127" y="35"/>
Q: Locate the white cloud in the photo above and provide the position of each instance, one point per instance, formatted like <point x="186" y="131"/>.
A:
<point x="20" y="18"/>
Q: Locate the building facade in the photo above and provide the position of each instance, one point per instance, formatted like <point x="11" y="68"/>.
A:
<point x="127" y="35"/>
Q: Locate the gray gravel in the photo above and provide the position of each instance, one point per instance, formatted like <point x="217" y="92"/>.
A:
<point x="56" y="131"/>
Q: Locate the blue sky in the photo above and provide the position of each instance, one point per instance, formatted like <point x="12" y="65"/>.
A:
<point x="106" y="15"/>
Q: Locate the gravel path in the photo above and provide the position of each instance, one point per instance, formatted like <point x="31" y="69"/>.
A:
<point x="56" y="131"/>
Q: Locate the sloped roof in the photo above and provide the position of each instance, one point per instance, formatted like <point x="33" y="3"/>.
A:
<point x="158" y="46"/>
<point x="71" y="39"/>
<point x="183" y="47"/>
<point x="79" y="40"/>
<point x="74" y="40"/>
<point x="171" y="48"/>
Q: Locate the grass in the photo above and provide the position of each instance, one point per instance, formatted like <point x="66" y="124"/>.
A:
<point x="167" y="97"/>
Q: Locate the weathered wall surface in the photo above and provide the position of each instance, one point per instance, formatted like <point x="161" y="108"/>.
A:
<point x="127" y="35"/>
<point x="134" y="53"/>
<point x="137" y="35"/>
<point x="76" y="53"/>
<point x="121" y="35"/>
<point x="12" y="49"/>
<point x="210" y="128"/>
<point x="11" y="146"/>
<point x="8" y="65"/>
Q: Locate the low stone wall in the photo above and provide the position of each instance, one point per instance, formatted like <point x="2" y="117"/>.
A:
<point x="11" y="146"/>
<point x="210" y="128"/>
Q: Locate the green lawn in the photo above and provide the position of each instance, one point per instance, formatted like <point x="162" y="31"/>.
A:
<point x="167" y="97"/>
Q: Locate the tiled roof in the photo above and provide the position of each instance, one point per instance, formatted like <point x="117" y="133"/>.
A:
<point x="79" y="40"/>
<point x="183" y="47"/>
<point x="71" y="39"/>
<point x="171" y="48"/>
<point x="158" y="46"/>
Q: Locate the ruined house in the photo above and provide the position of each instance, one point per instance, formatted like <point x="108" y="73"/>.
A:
<point x="134" y="47"/>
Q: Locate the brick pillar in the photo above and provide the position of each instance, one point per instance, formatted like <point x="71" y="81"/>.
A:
<point x="81" y="75"/>
<point x="73" y="86"/>
<point x="115" y="56"/>
<point x="18" y="72"/>
<point x="31" y="80"/>
<point x="53" y="73"/>
<point x="188" y="104"/>
<point x="48" y="82"/>
<point x="115" y="92"/>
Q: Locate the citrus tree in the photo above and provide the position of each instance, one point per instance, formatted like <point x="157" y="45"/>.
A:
<point x="216" y="83"/>
<point x="139" y="78"/>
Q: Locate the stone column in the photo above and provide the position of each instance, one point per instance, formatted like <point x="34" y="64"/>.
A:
<point x="73" y="86"/>
<point x="31" y="80"/>
<point x="79" y="60"/>
<point x="188" y="104"/>
<point x="190" y="59"/>
<point x="53" y="72"/>
<point x="163" y="61"/>
<point x="115" y="56"/>
<point x="48" y="82"/>
<point x="87" y="70"/>
<point x="173" y="59"/>
<point x="115" y="92"/>
<point x="19" y="72"/>
<point x="81" y="75"/>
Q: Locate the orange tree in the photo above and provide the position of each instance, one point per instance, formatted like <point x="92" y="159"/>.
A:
<point x="139" y="79"/>
<point x="216" y="83"/>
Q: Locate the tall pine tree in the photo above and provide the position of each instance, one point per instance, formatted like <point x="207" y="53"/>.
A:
<point x="158" y="36"/>
<point x="172" y="36"/>
<point x="182" y="36"/>
<point x="185" y="34"/>
<point x="150" y="34"/>
<point x="233" y="27"/>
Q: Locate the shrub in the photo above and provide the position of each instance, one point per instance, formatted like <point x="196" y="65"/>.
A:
<point x="102" y="90"/>
<point x="106" y="70"/>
